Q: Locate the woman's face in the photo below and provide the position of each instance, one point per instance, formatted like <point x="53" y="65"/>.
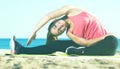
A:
<point x="58" y="27"/>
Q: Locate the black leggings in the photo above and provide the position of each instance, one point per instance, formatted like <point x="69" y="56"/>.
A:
<point x="107" y="46"/>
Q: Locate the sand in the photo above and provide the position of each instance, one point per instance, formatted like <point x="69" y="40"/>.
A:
<point x="58" y="61"/>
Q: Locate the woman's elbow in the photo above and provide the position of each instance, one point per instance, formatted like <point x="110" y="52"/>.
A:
<point x="87" y="44"/>
<point x="49" y="16"/>
<point x="83" y="43"/>
<point x="68" y="6"/>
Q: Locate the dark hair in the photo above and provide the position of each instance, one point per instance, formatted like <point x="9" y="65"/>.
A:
<point x="50" y="36"/>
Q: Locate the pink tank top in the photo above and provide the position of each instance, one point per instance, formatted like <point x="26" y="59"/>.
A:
<point x="87" y="26"/>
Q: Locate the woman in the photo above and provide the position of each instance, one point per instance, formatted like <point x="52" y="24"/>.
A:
<point x="88" y="36"/>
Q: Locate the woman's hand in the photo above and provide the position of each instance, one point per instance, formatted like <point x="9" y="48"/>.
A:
<point x="31" y="38"/>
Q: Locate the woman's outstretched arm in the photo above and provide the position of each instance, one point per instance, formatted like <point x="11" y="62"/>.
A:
<point x="59" y="12"/>
<point x="84" y="42"/>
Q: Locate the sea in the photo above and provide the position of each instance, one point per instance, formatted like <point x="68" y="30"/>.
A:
<point x="5" y="42"/>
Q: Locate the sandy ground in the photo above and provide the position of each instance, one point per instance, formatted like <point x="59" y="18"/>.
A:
<point x="58" y="61"/>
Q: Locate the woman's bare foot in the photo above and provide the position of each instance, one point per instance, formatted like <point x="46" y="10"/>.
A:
<point x="12" y="45"/>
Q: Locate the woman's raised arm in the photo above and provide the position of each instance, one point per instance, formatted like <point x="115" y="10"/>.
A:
<point x="59" y="12"/>
<point x="54" y="14"/>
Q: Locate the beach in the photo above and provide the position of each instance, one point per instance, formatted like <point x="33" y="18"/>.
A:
<point x="57" y="61"/>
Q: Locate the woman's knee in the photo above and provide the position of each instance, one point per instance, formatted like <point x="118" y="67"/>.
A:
<point x="112" y="40"/>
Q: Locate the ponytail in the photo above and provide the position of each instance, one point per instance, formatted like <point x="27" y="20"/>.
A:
<point x="51" y="38"/>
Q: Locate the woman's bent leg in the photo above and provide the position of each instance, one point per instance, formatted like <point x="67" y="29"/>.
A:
<point x="107" y="46"/>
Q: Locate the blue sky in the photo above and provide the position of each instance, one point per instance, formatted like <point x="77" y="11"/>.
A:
<point x="19" y="17"/>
